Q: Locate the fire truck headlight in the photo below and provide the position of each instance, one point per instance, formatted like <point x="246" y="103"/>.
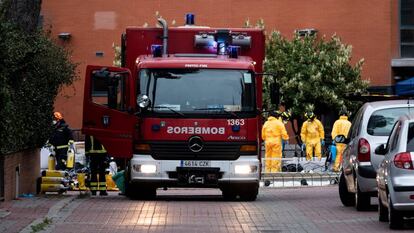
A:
<point x="144" y="168"/>
<point x="148" y="168"/>
<point x="244" y="169"/>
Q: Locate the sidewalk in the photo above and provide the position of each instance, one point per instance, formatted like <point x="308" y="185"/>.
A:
<point x="19" y="215"/>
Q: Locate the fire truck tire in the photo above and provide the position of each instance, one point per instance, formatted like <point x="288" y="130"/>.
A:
<point x="249" y="192"/>
<point x="128" y="188"/>
<point x="143" y="192"/>
<point x="229" y="194"/>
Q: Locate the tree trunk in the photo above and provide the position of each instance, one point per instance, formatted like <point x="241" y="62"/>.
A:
<point x="24" y="13"/>
<point x="297" y="130"/>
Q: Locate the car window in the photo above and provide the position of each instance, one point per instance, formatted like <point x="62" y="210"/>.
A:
<point x="381" y="121"/>
<point x="395" y="136"/>
<point x="355" y="124"/>
<point x="410" y="138"/>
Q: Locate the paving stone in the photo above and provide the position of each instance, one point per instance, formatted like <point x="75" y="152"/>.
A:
<point x="302" y="209"/>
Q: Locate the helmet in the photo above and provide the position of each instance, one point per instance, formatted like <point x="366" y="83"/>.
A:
<point x="310" y="115"/>
<point x="57" y="116"/>
<point x="343" y="111"/>
<point x="286" y="116"/>
<point x="275" y="113"/>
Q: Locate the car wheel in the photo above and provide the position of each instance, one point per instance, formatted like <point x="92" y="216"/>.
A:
<point x="347" y="198"/>
<point x="382" y="211"/>
<point x="362" y="200"/>
<point x="396" y="220"/>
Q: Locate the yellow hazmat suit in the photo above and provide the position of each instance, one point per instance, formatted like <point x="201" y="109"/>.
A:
<point x="340" y="127"/>
<point x="311" y="134"/>
<point x="273" y="132"/>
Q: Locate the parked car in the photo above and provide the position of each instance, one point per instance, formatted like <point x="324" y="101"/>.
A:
<point x="370" y="128"/>
<point x="395" y="175"/>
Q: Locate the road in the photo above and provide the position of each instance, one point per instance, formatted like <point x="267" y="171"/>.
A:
<point x="301" y="209"/>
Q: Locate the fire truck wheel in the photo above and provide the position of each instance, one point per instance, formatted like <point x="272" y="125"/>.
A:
<point x="128" y="188"/>
<point x="249" y="192"/>
<point x="144" y="193"/>
<point x="229" y="194"/>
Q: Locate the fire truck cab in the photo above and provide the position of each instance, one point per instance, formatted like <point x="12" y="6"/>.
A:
<point x="183" y="110"/>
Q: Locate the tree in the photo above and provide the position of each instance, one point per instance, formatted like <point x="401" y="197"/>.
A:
<point x="23" y="13"/>
<point x="32" y="71"/>
<point x="311" y="72"/>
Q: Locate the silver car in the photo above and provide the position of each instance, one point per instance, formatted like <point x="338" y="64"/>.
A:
<point x="370" y="128"/>
<point x="395" y="175"/>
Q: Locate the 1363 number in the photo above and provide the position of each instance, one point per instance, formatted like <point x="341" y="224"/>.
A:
<point x="235" y="121"/>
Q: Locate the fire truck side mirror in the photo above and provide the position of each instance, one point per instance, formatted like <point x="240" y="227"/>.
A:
<point x="143" y="101"/>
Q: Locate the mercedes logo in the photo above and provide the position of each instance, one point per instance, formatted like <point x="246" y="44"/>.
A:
<point x="195" y="144"/>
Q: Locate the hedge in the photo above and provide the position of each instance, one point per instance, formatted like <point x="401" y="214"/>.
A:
<point x="32" y="71"/>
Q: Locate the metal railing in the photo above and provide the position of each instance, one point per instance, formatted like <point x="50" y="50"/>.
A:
<point x="297" y="171"/>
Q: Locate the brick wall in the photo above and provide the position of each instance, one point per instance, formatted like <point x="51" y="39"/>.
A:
<point x="371" y="27"/>
<point x="28" y="162"/>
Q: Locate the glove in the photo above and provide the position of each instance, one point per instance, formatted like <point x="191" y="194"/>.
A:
<point x="71" y="145"/>
<point x="322" y="142"/>
<point x="303" y="147"/>
<point x="284" y="143"/>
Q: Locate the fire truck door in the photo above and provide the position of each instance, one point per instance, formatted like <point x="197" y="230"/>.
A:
<point x="108" y="109"/>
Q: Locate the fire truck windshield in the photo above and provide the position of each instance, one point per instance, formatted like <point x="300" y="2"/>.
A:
<point x="198" y="91"/>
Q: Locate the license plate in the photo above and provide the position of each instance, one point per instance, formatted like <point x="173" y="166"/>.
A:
<point x="195" y="163"/>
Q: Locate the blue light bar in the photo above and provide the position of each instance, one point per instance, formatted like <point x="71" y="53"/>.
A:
<point x="189" y="19"/>
<point x="233" y="51"/>
<point x="156" y="50"/>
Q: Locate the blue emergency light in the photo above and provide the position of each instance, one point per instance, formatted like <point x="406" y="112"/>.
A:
<point x="189" y="19"/>
<point x="233" y="51"/>
<point x="156" y="50"/>
<point x="235" y="128"/>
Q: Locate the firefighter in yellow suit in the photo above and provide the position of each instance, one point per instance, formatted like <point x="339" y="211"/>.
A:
<point x="312" y="135"/>
<point x="273" y="132"/>
<point x="340" y="127"/>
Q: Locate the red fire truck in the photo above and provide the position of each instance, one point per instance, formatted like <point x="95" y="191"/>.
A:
<point x="184" y="109"/>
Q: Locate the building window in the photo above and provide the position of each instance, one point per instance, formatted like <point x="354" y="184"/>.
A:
<point x="407" y="28"/>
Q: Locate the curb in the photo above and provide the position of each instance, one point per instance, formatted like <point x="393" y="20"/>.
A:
<point x="57" y="213"/>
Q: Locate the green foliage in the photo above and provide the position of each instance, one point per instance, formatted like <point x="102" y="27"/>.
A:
<point x="117" y="55"/>
<point x="41" y="226"/>
<point x="312" y="73"/>
<point x="32" y="71"/>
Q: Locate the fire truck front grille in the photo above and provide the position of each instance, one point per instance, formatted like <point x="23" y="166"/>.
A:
<point x="181" y="151"/>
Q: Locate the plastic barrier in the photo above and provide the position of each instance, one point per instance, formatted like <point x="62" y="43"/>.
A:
<point x="119" y="179"/>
